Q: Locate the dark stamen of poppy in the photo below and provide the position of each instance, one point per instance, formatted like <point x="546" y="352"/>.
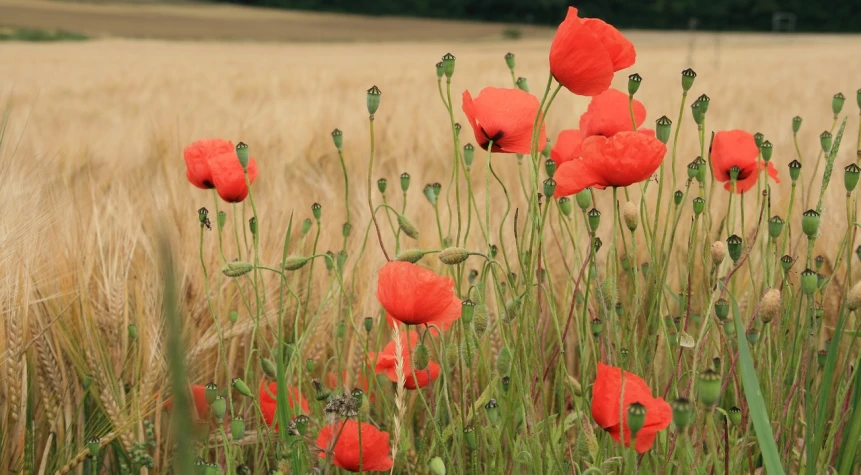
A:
<point x="208" y="184"/>
<point x="495" y="139"/>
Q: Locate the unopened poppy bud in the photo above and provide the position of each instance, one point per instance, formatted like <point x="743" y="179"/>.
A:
<point x="708" y="387"/>
<point x="701" y="171"/>
<point x="492" y="409"/>
<point x="822" y="357"/>
<point x="512" y="308"/>
<point x="407" y="227"/>
<point x="468" y="155"/>
<point x="237" y="428"/>
<point x="436" y="465"/>
<point x="693" y="169"/>
<point x="794" y="170"/>
<point x="242" y="153"/>
<point x="634" y="81"/>
<point x="699" y="205"/>
<point x="636" y="417"/>
<point x="697" y="113"/>
<point x="809" y="281"/>
<point x="733" y="244"/>
<point x="93" y="446"/>
<point x="853" y="298"/>
<point x="682" y="413"/>
<point x="470" y="438"/>
<point x="594" y="219"/>
<point x="688" y="76"/>
<point x="810" y="222"/>
<point x="346" y="228"/>
<point x="550" y="168"/>
<point x="236" y="268"/>
<point x="338" y="138"/>
<point x="421" y="357"/>
<point x="769" y="306"/>
<point x="752" y="335"/>
<point x="293" y="263"/>
<point x="677" y="197"/>
<point x="306" y="226"/>
<point x="241" y="387"/>
<point x="596" y="326"/>
<point x="734" y="416"/>
<point x="268" y="367"/>
<point x="837" y="103"/>
<point x="503" y="361"/>
<point x="545" y="152"/>
<point x="480" y="319"/>
<point x="210" y="392"/>
<point x="133" y="332"/>
<point x="629" y="213"/>
<point x="796" y="124"/>
<point x="662" y="129"/>
<point x="549" y="186"/>
<point x="453" y="255"/>
<point x="766" y="150"/>
<point x="429" y="194"/>
<point x="825" y="140"/>
<point x="704" y="102"/>
<point x="219" y="408"/>
<point x="302" y="424"/>
<point x="233" y="315"/>
<point x="564" y="205"/>
<point x="252" y="226"/>
<point x="411" y="255"/>
<point x="221" y="219"/>
<point x="819" y="260"/>
<point x="785" y="263"/>
<point x="522" y="84"/>
<point x="374" y="94"/>
<point x="467" y="311"/>
<point x="440" y="70"/>
<point x="775" y="226"/>
<point x="722" y="309"/>
<point x="850" y="176"/>
<point x="584" y="199"/>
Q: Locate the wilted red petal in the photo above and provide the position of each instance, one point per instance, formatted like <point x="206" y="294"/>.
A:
<point x="414" y="295"/>
<point x="198" y="156"/>
<point x="733" y="148"/>
<point x="229" y="178"/>
<point x="345" y="453"/>
<point x="620" y="49"/>
<point x="505" y="116"/>
<point x="567" y="146"/>
<point x="579" y="59"/>
<point x="610" y="113"/>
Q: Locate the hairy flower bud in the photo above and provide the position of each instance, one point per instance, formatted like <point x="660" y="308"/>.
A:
<point x="629" y="213"/>
<point x="718" y="252"/>
<point x="410" y="255"/>
<point x="295" y="263"/>
<point x="853" y="298"/>
<point x="407" y="227"/>
<point x="453" y="255"/>
<point x="769" y="306"/>
<point x="236" y="268"/>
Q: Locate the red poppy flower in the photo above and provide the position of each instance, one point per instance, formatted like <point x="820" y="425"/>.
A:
<point x="621" y="160"/>
<point x="415" y="295"/>
<point x="198" y="156"/>
<point x="229" y="178"/>
<point x="568" y="146"/>
<point x="606" y="394"/>
<point x="505" y="116"/>
<point x="345" y="453"/>
<point x="385" y="361"/>
<point x="737" y="148"/>
<point x="269" y="405"/>
<point x="586" y="52"/>
<point x="609" y="113"/>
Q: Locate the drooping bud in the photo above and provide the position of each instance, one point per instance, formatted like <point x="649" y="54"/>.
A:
<point x="236" y="268"/>
<point x="809" y="281"/>
<point x="796" y="124"/>
<point x="767" y="149"/>
<point x="825" y="140"/>
<point x="522" y="84"/>
<point x="564" y="205"/>
<point x="468" y="155"/>
<point x="810" y="222"/>
<point x="480" y="320"/>
<point x="775" y="226"/>
<point x="268" y="367"/>
<point x="837" y="103"/>
<point x="634" y="81"/>
<point x="794" y="170"/>
<point x="373" y="99"/>
<point x="293" y="263"/>
<point x="242" y="153"/>
<point x="850" y="176"/>
<point x="407" y="227"/>
<point x="241" y="387"/>
<point x="688" y="76"/>
<point x="453" y="255"/>
<point x="219" y="408"/>
<point x="410" y="255"/>
<point x="549" y="186"/>
<point x="237" y="428"/>
<point x="629" y="213"/>
<point x="503" y="361"/>
<point x="636" y="418"/>
<point x="734" y="416"/>
<point x="785" y="263"/>
<point x="682" y="413"/>
<point x="708" y="387"/>
<point x="594" y="219"/>
<point x="448" y="65"/>
<point x="662" y="129"/>
<point x="733" y="244"/>
<point x="769" y="306"/>
<point x="722" y="309"/>
<point x="210" y="392"/>
<point x="509" y="60"/>
<point x="699" y="205"/>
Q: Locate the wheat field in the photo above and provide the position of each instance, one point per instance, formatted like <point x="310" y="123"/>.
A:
<point x="92" y="172"/>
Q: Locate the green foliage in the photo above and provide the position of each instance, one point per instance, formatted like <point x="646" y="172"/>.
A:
<point x="36" y="35"/>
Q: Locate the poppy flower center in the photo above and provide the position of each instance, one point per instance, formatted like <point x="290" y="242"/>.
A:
<point x="495" y="138"/>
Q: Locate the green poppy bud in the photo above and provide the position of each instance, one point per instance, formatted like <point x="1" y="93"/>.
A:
<point x="408" y="227"/>
<point x="545" y="152"/>
<point x="693" y="169"/>
<point x="405" y="182"/>
<point x="219" y="408"/>
<point x="810" y="222"/>
<point x="697" y="113"/>
<point x="733" y="246"/>
<point x="338" y="138"/>
<point x="564" y="205"/>
<point x="302" y="421"/>
<point x="682" y="413"/>
<point x="503" y="361"/>
<point x="373" y="99"/>
<point x="785" y="263"/>
<point x="775" y="226"/>
<point x="293" y="263"/>
<point x="237" y="428"/>
<point x="758" y="138"/>
<point x="825" y="140"/>
<point x="306" y="226"/>
<point x="346" y="228"/>
<point x="467" y="311"/>
<point x="382" y="184"/>
<point x="634" y="81"/>
<point x="243" y="154"/>
<point x="480" y="321"/>
<point x="436" y="465"/>
<point x="794" y="170"/>
<point x="704" y="102"/>
<point x="233" y="315"/>
<point x="421" y="357"/>
<point x="470" y="438"/>
<point x="662" y="129"/>
<point x="688" y="76"/>
<point x="597" y="326"/>
<point x="734" y="416"/>
<point x="636" y="417"/>
<point x="837" y="103"/>
<point x="677" y="197"/>
<point x="766" y="150"/>
<point x="796" y="124"/>
<point x="448" y="65"/>
<point x="809" y="281"/>
<point x="133" y="332"/>
<point x="242" y="388"/>
<point x="850" y="176"/>
<point x="221" y="220"/>
<point x="93" y="446"/>
<point x="269" y="368"/>
<point x="594" y="218"/>
<point x="722" y="309"/>
<point x="468" y="155"/>
<point x="550" y="168"/>
<point x="210" y="392"/>
<point x="410" y="255"/>
<point x="330" y="258"/>
<point x="440" y="70"/>
<point x="708" y="387"/>
<point x="522" y="84"/>
<point x="236" y="268"/>
<point x="699" y="205"/>
<point x="549" y="186"/>
<point x="509" y="60"/>
<point x="453" y="255"/>
<point x="584" y="199"/>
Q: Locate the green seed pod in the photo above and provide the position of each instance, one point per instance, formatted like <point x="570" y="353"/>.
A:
<point x="436" y="465"/>
<point x="693" y="169"/>
<point x="810" y="222"/>
<point x="368" y="323"/>
<point x="221" y="220"/>
<point x="467" y="311"/>
<point x="644" y="268"/>
<point x="236" y="268"/>
<point x="269" y="368"/>
<point x="93" y="446"/>
<point x="503" y="361"/>
<point x="545" y="152"/>
<point x="293" y="263"/>
<point x="453" y="255"/>
<point x="252" y="226"/>
<point x="767" y="149"/>
<point x="634" y="81"/>
<point x="785" y="263"/>
<point x="480" y="320"/>
<point x="233" y="315"/>
<point x="470" y="438"/>
<point x="636" y="417"/>
<point x="722" y="309"/>
<point x="819" y="260"/>
<point x="549" y="186"/>
<point x="594" y="218"/>
<point x="701" y="172"/>
<point x="382" y="184"/>
<point x="758" y="138"/>
<point x="373" y="99"/>
<point x="662" y="129"/>
<point x="202" y="215"/>
<point x="729" y="329"/>
<point x="775" y="226"/>
<point x="550" y="168"/>
<point x="752" y="335"/>
<point x="796" y="124"/>
<point x="620" y="310"/>
<point x="405" y="181"/>
<point x="688" y="76"/>
<point x="564" y="205"/>
<point x="468" y="155"/>
<point x="522" y="84"/>
<point x="469" y="352"/>
<point x="492" y="410"/>
<point x="850" y="176"/>
<point x="837" y="103"/>
<point x="407" y="227"/>
<point x="734" y="171"/>
<point x="708" y="387"/>
<point x="858" y="97"/>
<point x="448" y="65"/>
<point x="210" y="392"/>
<point x="682" y="413"/>
<point x="512" y="308"/>
<point x="320" y="391"/>
<point x="133" y="332"/>
<point x="440" y="70"/>
<point x="624" y="353"/>
<point x="341" y="330"/>
<point x="809" y="282"/>
<point x="237" y="428"/>
<point x="243" y="469"/>
<point x="596" y="244"/>
<point x="242" y="388"/>
<point x="826" y="140"/>
<point x="330" y="260"/>
<point x="437" y="189"/>
<point x="821" y="358"/>
<point x="429" y="194"/>
<point x="704" y="102"/>
<point x="243" y="154"/>
<point x="306" y="226"/>
<point x="734" y="416"/>
<point x="699" y="205"/>
<point x="452" y="354"/>
<point x="509" y="60"/>
<point x="302" y="424"/>
<point x="493" y="250"/>
<point x="584" y="199"/>
<point x="317" y="211"/>
<point x="505" y="382"/>
<point x="794" y="170"/>
<point x="338" y="138"/>
<point x="597" y="326"/>
<point x="733" y="245"/>
<point x="410" y="255"/>
<point x="697" y="113"/>
<point x="677" y="197"/>
<point x="219" y="408"/>
<point x="346" y="228"/>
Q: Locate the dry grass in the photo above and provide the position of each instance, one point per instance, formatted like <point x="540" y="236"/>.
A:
<point x="92" y="168"/>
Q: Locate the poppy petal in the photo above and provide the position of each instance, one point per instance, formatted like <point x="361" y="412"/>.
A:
<point x="621" y="50"/>
<point x="229" y="177"/>
<point x="567" y="147"/>
<point x="414" y="295"/>
<point x="732" y="148"/>
<point x="610" y="113"/>
<point x="504" y="116"/>
<point x="198" y="156"/>
<point x="579" y="59"/>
